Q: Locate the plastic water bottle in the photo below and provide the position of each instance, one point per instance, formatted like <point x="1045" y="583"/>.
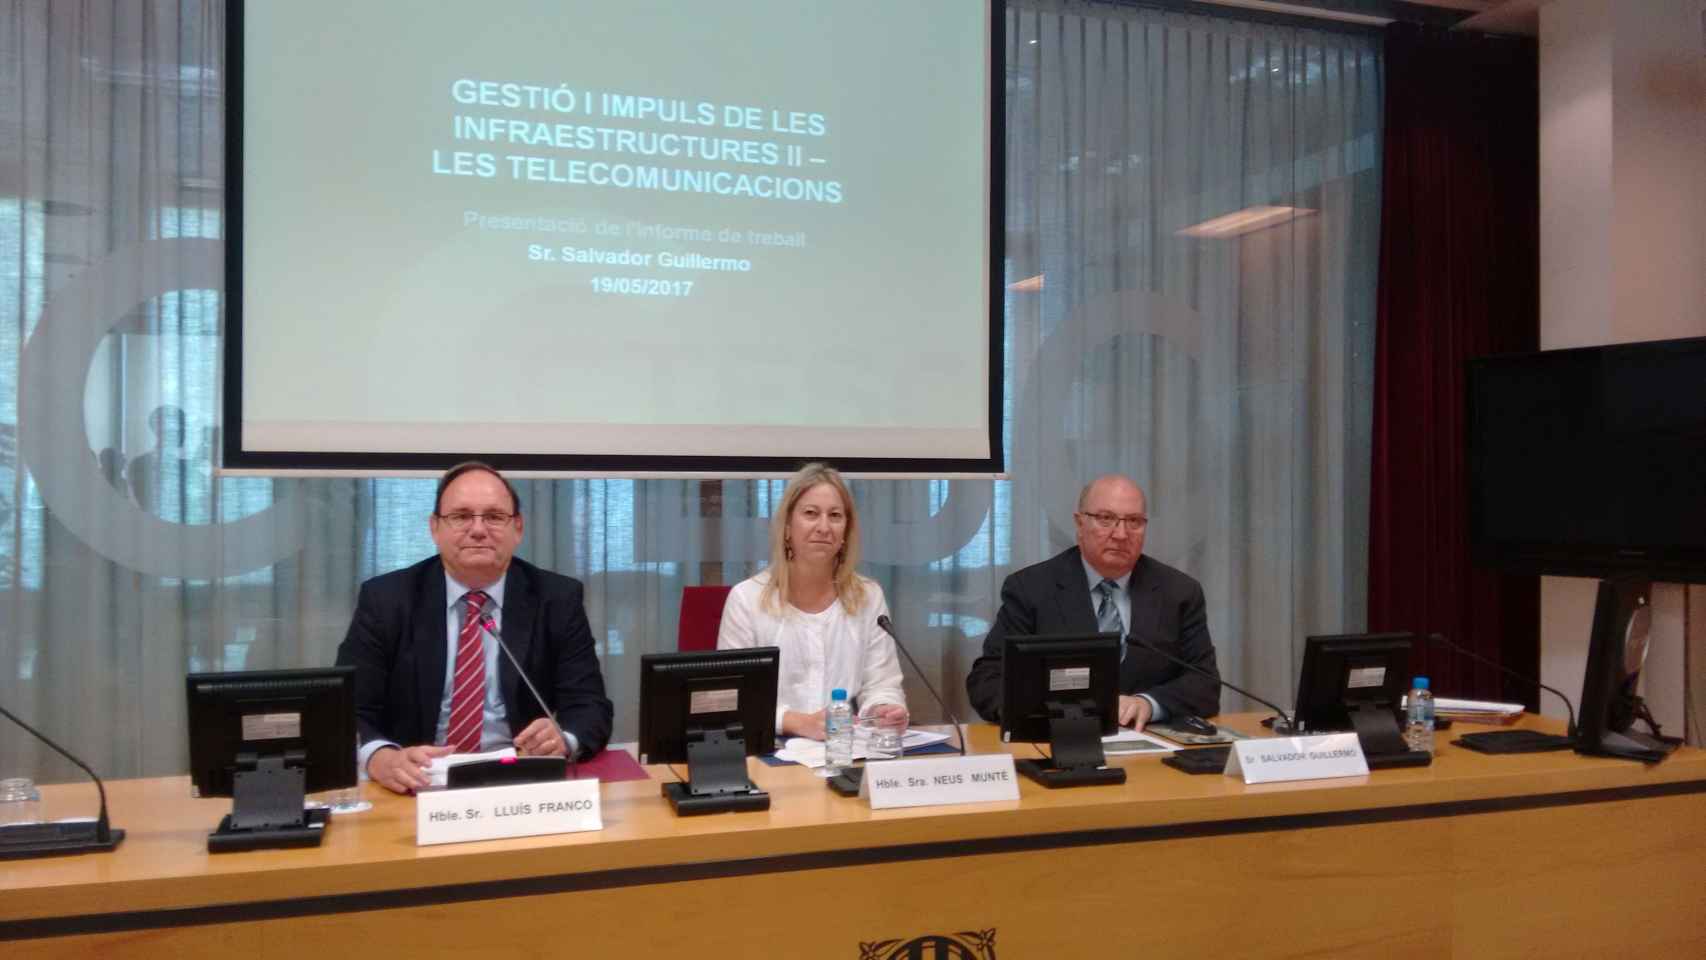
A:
<point x="1419" y="716"/>
<point x="838" y="729"/>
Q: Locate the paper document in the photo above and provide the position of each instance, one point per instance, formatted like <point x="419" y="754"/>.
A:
<point x="1475" y="706"/>
<point x="804" y="751"/>
<point x="1488" y="708"/>
<point x="913" y="739"/>
<point x="440" y="766"/>
<point x="1126" y="740"/>
<point x="812" y="753"/>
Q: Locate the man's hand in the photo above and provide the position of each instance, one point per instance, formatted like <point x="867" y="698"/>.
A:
<point x="1135" y="712"/>
<point x="541" y="739"/>
<point x="888" y="715"/>
<point x="401" y="769"/>
<point x="804" y="724"/>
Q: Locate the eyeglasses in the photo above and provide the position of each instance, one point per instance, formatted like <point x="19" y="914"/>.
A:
<point x="1107" y="521"/>
<point x="462" y="520"/>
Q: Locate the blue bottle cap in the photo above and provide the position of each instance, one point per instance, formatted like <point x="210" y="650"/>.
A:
<point x="1421" y="683"/>
<point x="838" y="694"/>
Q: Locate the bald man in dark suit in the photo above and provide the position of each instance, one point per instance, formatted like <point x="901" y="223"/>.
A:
<point x="1083" y="590"/>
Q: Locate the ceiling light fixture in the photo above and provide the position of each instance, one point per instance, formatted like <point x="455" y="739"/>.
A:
<point x="1244" y="221"/>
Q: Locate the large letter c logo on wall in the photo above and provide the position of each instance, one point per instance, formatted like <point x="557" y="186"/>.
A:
<point x="52" y="438"/>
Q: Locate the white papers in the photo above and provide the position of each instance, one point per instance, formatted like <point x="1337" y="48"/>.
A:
<point x="812" y="753"/>
<point x="913" y="739"/>
<point x="1476" y="706"/>
<point x="1475" y="711"/>
<point x="1127" y="740"/>
<point x="439" y="769"/>
<point x="804" y="751"/>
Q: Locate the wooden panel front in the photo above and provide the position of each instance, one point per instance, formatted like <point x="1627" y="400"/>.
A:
<point x="1475" y="856"/>
<point x="1492" y="885"/>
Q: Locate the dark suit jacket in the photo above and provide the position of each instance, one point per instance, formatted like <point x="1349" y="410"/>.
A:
<point x="398" y="645"/>
<point x="1167" y="610"/>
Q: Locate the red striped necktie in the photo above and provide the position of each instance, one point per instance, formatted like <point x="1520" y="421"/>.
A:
<point x="468" y="684"/>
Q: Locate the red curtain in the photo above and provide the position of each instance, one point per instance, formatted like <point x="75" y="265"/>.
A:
<point x="1459" y="278"/>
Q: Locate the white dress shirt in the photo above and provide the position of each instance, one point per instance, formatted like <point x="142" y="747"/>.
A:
<point x="820" y="651"/>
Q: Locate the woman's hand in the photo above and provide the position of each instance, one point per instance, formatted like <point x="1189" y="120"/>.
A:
<point x="888" y="715"/>
<point x="804" y="724"/>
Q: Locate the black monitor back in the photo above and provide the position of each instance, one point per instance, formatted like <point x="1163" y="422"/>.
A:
<point x="705" y="689"/>
<point x="272" y="713"/>
<point x="1061" y="668"/>
<point x="1346" y="671"/>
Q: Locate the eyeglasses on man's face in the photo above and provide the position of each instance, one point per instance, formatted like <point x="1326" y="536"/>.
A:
<point x="1108" y="521"/>
<point x="462" y="520"/>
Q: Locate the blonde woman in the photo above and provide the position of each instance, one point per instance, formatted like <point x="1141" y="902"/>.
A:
<point x="813" y="604"/>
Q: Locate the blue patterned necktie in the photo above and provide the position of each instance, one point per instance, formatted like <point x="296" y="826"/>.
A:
<point x="1108" y="612"/>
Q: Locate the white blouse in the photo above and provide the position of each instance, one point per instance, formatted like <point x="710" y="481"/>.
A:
<point x="820" y="651"/>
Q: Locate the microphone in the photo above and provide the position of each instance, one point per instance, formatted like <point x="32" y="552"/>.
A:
<point x="1284" y="718"/>
<point x="490" y="625"/>
<point x="1526" y="679"/>
<point x="40" y="840"/>
<point x="888" y="628"/>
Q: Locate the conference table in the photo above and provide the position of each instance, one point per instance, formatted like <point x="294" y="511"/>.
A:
<point x="1548" y="854"/>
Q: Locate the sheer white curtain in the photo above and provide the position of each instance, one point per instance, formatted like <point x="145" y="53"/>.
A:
<point x="1229" y="376"/>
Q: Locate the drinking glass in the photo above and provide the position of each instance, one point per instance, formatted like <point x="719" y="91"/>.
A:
<point x="881" y="742"/>
<point x="347" y="800"/>
<point x="20" y="801"/>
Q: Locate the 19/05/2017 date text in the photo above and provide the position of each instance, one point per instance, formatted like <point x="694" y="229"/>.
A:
<point x="641" y="286"/>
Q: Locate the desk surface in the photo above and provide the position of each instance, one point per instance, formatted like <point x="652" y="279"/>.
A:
<point x="163" y="867"/>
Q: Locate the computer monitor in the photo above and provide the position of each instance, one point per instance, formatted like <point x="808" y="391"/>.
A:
<point x="710" y="709"/>
<point x="266" y="738"/>
<point x="1356" y="682"/>
<point x="1062" y="689"/>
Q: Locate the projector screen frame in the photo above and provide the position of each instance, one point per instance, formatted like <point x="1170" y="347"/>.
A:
<point x="237" y="461"/>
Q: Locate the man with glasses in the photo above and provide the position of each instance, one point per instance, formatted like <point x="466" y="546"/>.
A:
<point x="430" y="679"/>
<point x="1106" y="585"/>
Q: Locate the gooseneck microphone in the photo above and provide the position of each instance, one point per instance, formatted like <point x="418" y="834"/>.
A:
<point x="1523" y="677"/>
<point x="888" y="628"/>
<point x="490" y="625"/>
<point x="38" y="840"/>
<point x="1285" y="718"/>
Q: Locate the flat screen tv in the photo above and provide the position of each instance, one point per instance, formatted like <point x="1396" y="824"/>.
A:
<point x="1590" y="462"/>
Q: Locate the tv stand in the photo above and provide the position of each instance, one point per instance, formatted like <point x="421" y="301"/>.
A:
<point x="266" y="807"/>
<point x="1630" y="745"/>
<point x="716" y="776"/>
<point x="1617" y="651"/>
<point x="1075" y="748"/>
<point x="1383" y="744"/>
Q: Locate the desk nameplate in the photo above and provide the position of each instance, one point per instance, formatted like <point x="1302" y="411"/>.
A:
<point x="940" y="781"/>
<point x="1279" y="759"/>
<point x="513" y="810"/>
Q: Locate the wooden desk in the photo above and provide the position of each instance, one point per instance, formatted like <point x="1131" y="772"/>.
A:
<point x="1476" y="856"/>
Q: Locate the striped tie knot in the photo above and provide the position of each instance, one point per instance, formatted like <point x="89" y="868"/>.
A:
<point x="476" y="601"/>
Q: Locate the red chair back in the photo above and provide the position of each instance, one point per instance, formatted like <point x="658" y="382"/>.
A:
<point x="701" y="614"/>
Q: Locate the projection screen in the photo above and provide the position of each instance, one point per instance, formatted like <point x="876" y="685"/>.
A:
<point x="617" y="237"/>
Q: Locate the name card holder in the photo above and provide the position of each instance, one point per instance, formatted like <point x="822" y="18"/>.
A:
<point x="1280" y="759"/>
<point x="515" y="810"/>
<point x="940" y="781"/>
